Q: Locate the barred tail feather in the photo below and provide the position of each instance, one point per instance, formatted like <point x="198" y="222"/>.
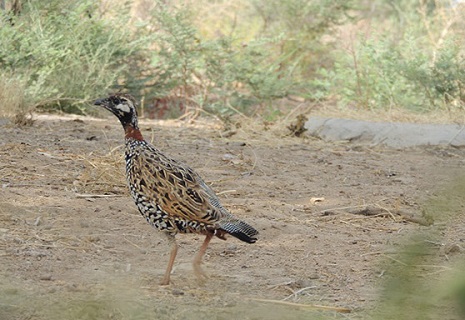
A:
<point x="240" y="230"/>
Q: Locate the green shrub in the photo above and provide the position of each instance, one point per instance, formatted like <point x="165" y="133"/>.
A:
<point x="60" y="54"/>
<point x="307" y="40"/>
<point x="373" y="77"/>
<point x="416" y="64"/>
<point x="63" y="53"/>
<point x="219" y="74"/>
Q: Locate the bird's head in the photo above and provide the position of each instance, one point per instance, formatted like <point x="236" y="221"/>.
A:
<point x="123" y="106"/>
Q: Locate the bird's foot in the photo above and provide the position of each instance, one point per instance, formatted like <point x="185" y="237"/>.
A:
<point x="165" y="281"/>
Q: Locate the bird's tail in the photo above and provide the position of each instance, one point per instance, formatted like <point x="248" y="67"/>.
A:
<point x="240" y="230"/>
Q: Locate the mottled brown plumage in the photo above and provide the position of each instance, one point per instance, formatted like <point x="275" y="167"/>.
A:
<point x="170" y="195"/>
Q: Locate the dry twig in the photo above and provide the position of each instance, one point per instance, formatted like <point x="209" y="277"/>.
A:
<point x="307" y="306"/>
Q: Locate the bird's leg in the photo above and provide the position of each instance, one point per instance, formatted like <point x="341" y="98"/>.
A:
<point x="174" y="251"/>
<point x="198" y="257"/>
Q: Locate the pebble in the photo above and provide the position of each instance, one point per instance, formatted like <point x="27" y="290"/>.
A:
<point x="177" y="292"/>
<point x="453" y="248"/>
<point x="93" y="238"/>
<point x="84" y="224"/>
<point x="46" y="277"/>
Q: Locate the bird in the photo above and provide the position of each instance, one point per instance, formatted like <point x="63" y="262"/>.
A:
<point x="169" y="194"/>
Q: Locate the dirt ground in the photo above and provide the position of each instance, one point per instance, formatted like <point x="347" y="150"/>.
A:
<point x="73" y="245"/>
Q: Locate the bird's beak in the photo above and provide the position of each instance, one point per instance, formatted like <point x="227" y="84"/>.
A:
<point x="101" y="102"/>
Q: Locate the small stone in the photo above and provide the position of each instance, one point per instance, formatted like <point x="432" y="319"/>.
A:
<point x="93" y="238"/>
<point x="303" y="283"/>
<point x="230" y="249"/>
<point x="228" y="157"/>
<point x="72" y="287"/>
<point x="177" y="292"/>
<point x="454" y="248"/>
<point x="84" y="224"/>
<point x="46" y="277"/>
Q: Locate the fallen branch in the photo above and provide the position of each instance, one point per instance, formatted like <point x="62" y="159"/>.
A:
<point x="306" y="306"/>
<point x="376" y="210"/>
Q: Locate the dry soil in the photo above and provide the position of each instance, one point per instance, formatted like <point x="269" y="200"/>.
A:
<point x="73" y="245"/>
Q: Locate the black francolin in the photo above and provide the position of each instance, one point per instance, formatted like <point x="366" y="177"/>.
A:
<point x="169" y="194"/>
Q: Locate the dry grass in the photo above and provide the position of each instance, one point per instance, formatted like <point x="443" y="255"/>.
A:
<point x="12" y="100"/>
<point x="102" y="174"/>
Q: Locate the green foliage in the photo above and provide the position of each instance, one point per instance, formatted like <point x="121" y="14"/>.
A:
<point x="424" y="277"/>
<point x="216" y="74"/>
<point x="372" y="77"/>
<point x="60" y="54"/>
<point x="303" y="23"/>
<point x="306" y="28"/>
<point x="417" y="65"/>
<point x="178" y="54"/>
<point x="414" y="287"/>
<point x="404" y="294"/>
<point x="63" y="53"/>
<point x="224" y="73"/>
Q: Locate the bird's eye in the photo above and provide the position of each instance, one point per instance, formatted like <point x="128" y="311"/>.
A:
<point x="115" y="100"/>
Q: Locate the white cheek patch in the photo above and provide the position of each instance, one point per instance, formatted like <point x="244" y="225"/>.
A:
<point x="123" y="107"/>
